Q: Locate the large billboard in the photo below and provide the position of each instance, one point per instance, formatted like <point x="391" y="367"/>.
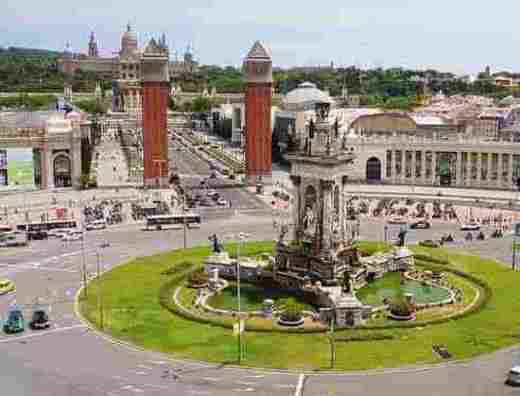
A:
<point x="17" y="167"/>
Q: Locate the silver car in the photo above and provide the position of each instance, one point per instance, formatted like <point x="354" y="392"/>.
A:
<point x="513" y="376"/>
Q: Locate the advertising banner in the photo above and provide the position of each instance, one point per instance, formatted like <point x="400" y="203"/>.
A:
<point x="17" y="167"/>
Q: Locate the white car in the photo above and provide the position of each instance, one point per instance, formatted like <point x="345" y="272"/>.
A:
<point x="59" y="233"/>
<point x="96" y="225"/>
<point x="397" y="220"/>
<point x="513" y="376"/>
<point x="470" y="227"/>
<point x="222" y="202"/>
<point x="211" y="193"/>
<point x="72" y="236"/>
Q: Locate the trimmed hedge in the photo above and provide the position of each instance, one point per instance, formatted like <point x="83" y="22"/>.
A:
<point x="430" y="259"/>
<point x="365" y="337"/>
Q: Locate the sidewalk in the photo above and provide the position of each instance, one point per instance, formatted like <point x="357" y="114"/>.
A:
<point x="37" y="202"/>
<point x="466" y="194"/>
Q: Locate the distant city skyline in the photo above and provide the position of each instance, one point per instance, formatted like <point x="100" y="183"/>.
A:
<point x="445" y="35"/>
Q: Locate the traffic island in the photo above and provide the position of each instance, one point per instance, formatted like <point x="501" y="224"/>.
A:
<point x="138" y="307"/>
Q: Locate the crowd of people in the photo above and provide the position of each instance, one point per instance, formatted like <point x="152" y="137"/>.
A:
<point x="109" y="211"/>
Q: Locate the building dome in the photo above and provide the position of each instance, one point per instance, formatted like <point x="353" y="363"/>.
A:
<point x="129" y="40"/>
<point x="304" y="97"/>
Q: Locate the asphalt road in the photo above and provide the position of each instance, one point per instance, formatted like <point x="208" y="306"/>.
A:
<point x="71" y="360"/>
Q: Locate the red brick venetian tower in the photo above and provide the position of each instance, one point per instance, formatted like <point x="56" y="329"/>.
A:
<point x="258" y="72"/>
<point x="155" y="91"/>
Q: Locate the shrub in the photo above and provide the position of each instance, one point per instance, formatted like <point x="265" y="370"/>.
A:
<point x="399" y="306"/>
<point x="177" y="268"/>
<point x="292" y="310"/>
<point x="198" y="278"/>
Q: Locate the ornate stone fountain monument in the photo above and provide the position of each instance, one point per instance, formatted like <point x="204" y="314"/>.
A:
<point x="321" y="254"/>
<point x="321" y="248"/>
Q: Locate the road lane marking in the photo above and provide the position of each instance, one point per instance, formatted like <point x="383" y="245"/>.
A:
<point x="44" y="333"/>
<point x="245" y="383"/>
<point x="299" y="387"/>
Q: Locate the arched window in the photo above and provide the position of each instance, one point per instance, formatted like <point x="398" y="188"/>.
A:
<point x="373" y="170"/>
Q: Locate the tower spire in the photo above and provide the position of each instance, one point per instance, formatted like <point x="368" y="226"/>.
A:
<point x="92" y="46"/>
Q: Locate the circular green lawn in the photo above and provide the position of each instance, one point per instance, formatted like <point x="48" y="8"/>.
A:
<point x="133" y="312"/>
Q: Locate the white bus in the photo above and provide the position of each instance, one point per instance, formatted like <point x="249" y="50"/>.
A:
<point x="174" y="221"/>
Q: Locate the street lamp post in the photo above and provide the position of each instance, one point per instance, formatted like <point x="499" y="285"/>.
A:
<point x="100" y="289"/>
<point x="332" y="339"/>
<point x="240" y="238"/>
<point x="83" y="257"/>
<point x="185" y="231"/>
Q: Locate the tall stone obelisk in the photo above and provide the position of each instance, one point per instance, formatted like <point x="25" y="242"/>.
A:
<point x="258" y="72"/>
<point x="156" y="91"/>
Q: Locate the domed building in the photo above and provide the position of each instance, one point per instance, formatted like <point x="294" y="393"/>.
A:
<point x="305" y="97"/>
<point x="124" y="67"/>
<point x="129" y="43"/>
<point x="298" y="107"/>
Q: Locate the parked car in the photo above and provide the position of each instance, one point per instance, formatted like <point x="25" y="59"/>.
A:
<point x="40" y="320"/>
<point x="212" y="193"/>
<point x="222" y="202"/>
<point x="15" y="322"/>
<point x="429" y="243"/>
<point x="13" y="239"/>
<point x="6" y="286"/>
<point x="37" y="235"/>
<point x="397" y="220"/>
<point x="96" y="225"/>
<point x="420" y="225"/>
<point x="513" y="376"/>
<point x="470" y="227"/>
<point x="72" y="236"/>
<point x="59" y="233"/>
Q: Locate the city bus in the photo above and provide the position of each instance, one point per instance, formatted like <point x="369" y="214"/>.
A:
<point x="174" y="221"/>
<point x="47" y="225"/>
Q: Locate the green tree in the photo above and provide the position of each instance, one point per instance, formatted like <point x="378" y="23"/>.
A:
<point x="91" y="106"/>
<point x="201" y="104"/>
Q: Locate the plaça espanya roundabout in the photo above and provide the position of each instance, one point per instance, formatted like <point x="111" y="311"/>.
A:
<point x="316" y="301"/>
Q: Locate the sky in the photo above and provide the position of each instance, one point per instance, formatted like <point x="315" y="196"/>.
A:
<point x="461" y="36"/>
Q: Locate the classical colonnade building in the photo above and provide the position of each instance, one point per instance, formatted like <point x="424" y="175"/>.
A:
<point x="433" y="156"/>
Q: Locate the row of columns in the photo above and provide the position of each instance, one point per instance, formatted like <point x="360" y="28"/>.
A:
<point x="428" y="173"/>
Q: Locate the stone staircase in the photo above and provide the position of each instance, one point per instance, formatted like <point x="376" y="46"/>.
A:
<point x="109" y="163"/>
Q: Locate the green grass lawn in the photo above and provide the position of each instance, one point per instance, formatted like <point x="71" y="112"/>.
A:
<point x="389" y="286"/>
<point x="251" y="297"/>
<point x="133" y="313"/>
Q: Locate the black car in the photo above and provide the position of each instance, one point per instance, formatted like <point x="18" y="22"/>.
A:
<point x="40" y="320"/>
<point x="37" y="235"/>
<point x="420" y="225"/>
